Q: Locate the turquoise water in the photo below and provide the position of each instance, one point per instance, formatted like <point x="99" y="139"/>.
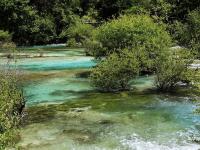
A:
<point x="55" y="90"/>
<point x="55" y="64"/>
<point x="65" y="112"/>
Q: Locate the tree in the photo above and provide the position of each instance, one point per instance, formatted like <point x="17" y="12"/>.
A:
<point x="4" y="37"/>
<point x="78" y="32"/>
<point x="5" y="41"/>
<point x="160" y="10"/>
<point x="188" y="33"/>
<point x="115" y="72"/>
<point x="130" y="32"/>
<point x="174" y="68"/>
<point x="181" y="8"/>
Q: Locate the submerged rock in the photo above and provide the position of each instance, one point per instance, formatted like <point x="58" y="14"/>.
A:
<point x="80" y="136"/>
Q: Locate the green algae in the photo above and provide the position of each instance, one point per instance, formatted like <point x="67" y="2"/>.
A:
<point x="88" y="122"/>
<point x="39" y="114"/>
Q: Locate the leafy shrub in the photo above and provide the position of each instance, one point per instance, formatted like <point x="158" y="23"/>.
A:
<point x="115" y="72"/>
<point x="188" y="34"/>
<point x="136" y="10"/>
<point x="92" y="47"/>
<point x="173" y="69"/>
<point x="160" y="10"/>
<point x="79" y="32"/>
<point x="11" y="107"/>
<point x="4" y="36"/>
<point x="5" y="41"/>
<point x="130" y="32"/>
<point x="71" y="43"/>
<point x="194" y="29"/>
<point x="44" y="30"/>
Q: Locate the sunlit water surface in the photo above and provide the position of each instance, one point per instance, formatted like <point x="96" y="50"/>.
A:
<point x="66" y="113"/>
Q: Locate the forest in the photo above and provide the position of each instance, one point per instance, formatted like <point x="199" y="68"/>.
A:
<point x="41" y="22"/>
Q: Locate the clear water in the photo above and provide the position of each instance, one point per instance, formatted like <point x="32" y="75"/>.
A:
<point x="43" y="64"/>
<point x="66" y="113"/>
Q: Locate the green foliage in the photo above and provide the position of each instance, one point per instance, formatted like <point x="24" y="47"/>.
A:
<point x="72" y="43"/>
<point x="30" y="21"/>
<point x="143" y="40"/>
<point x="188" y="34"/>
<point x="173" y="69"/>
<point x="79" y="32"/>
<point x="157" y="9"/>
<point x="115" y="72"/>
<point x="106" y="9"/>
<point x="4" y="36"/>
<point x="5" y="41"/>
<point x="136" y="10"/>
<point x="181" y="8"/>
<point x="194" y="29"/>
<point x="11" y="107"/>
<point x="43" y="30"/>
<point x="9" y="138"/>
<point x="129" y="32"/>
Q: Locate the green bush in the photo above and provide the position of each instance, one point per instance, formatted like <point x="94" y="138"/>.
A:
<point x="160" y="10"/>
<point x="194" y="29"/>
<point x="79" y="32"/>
<point x="11" y="107"/>
<point x="130" y="32"/>
<point x="5" y="41"/>
<point x="173" y="69"/>
<point x="72" y="43"/>
<point x="136" y="10"/>
<point x="4" y="36"/>
<point x="42" y="31"/>
<point x="115" y="72"/>
<point x="188" y="34"/>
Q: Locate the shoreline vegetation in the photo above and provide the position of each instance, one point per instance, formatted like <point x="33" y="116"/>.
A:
<point x="12" y="104"/>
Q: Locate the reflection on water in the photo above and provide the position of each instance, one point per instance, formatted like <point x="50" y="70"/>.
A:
<point x="65" y="112"/>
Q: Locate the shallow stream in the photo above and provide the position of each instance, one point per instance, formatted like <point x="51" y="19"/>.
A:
<point x="66" y="113"/>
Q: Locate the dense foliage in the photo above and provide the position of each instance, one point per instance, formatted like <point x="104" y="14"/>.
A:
<point x="4" y="37"/>
<point x="115" y="73"/>
<point x="188" y="33"/>
<point x="130" y="32"/>
<point x="42" y="21"/>
<point x="131" y="44"/>
<point x="149" y="45"/>
<point x="11" y="107"/>
<point x="174" y="69"/>
<point x="78" y="33"/>
<point x="5" y="41"/>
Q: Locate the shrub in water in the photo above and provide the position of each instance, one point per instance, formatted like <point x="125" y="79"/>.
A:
<point x="115" y="72"/>
<point x="173" y="69"/>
